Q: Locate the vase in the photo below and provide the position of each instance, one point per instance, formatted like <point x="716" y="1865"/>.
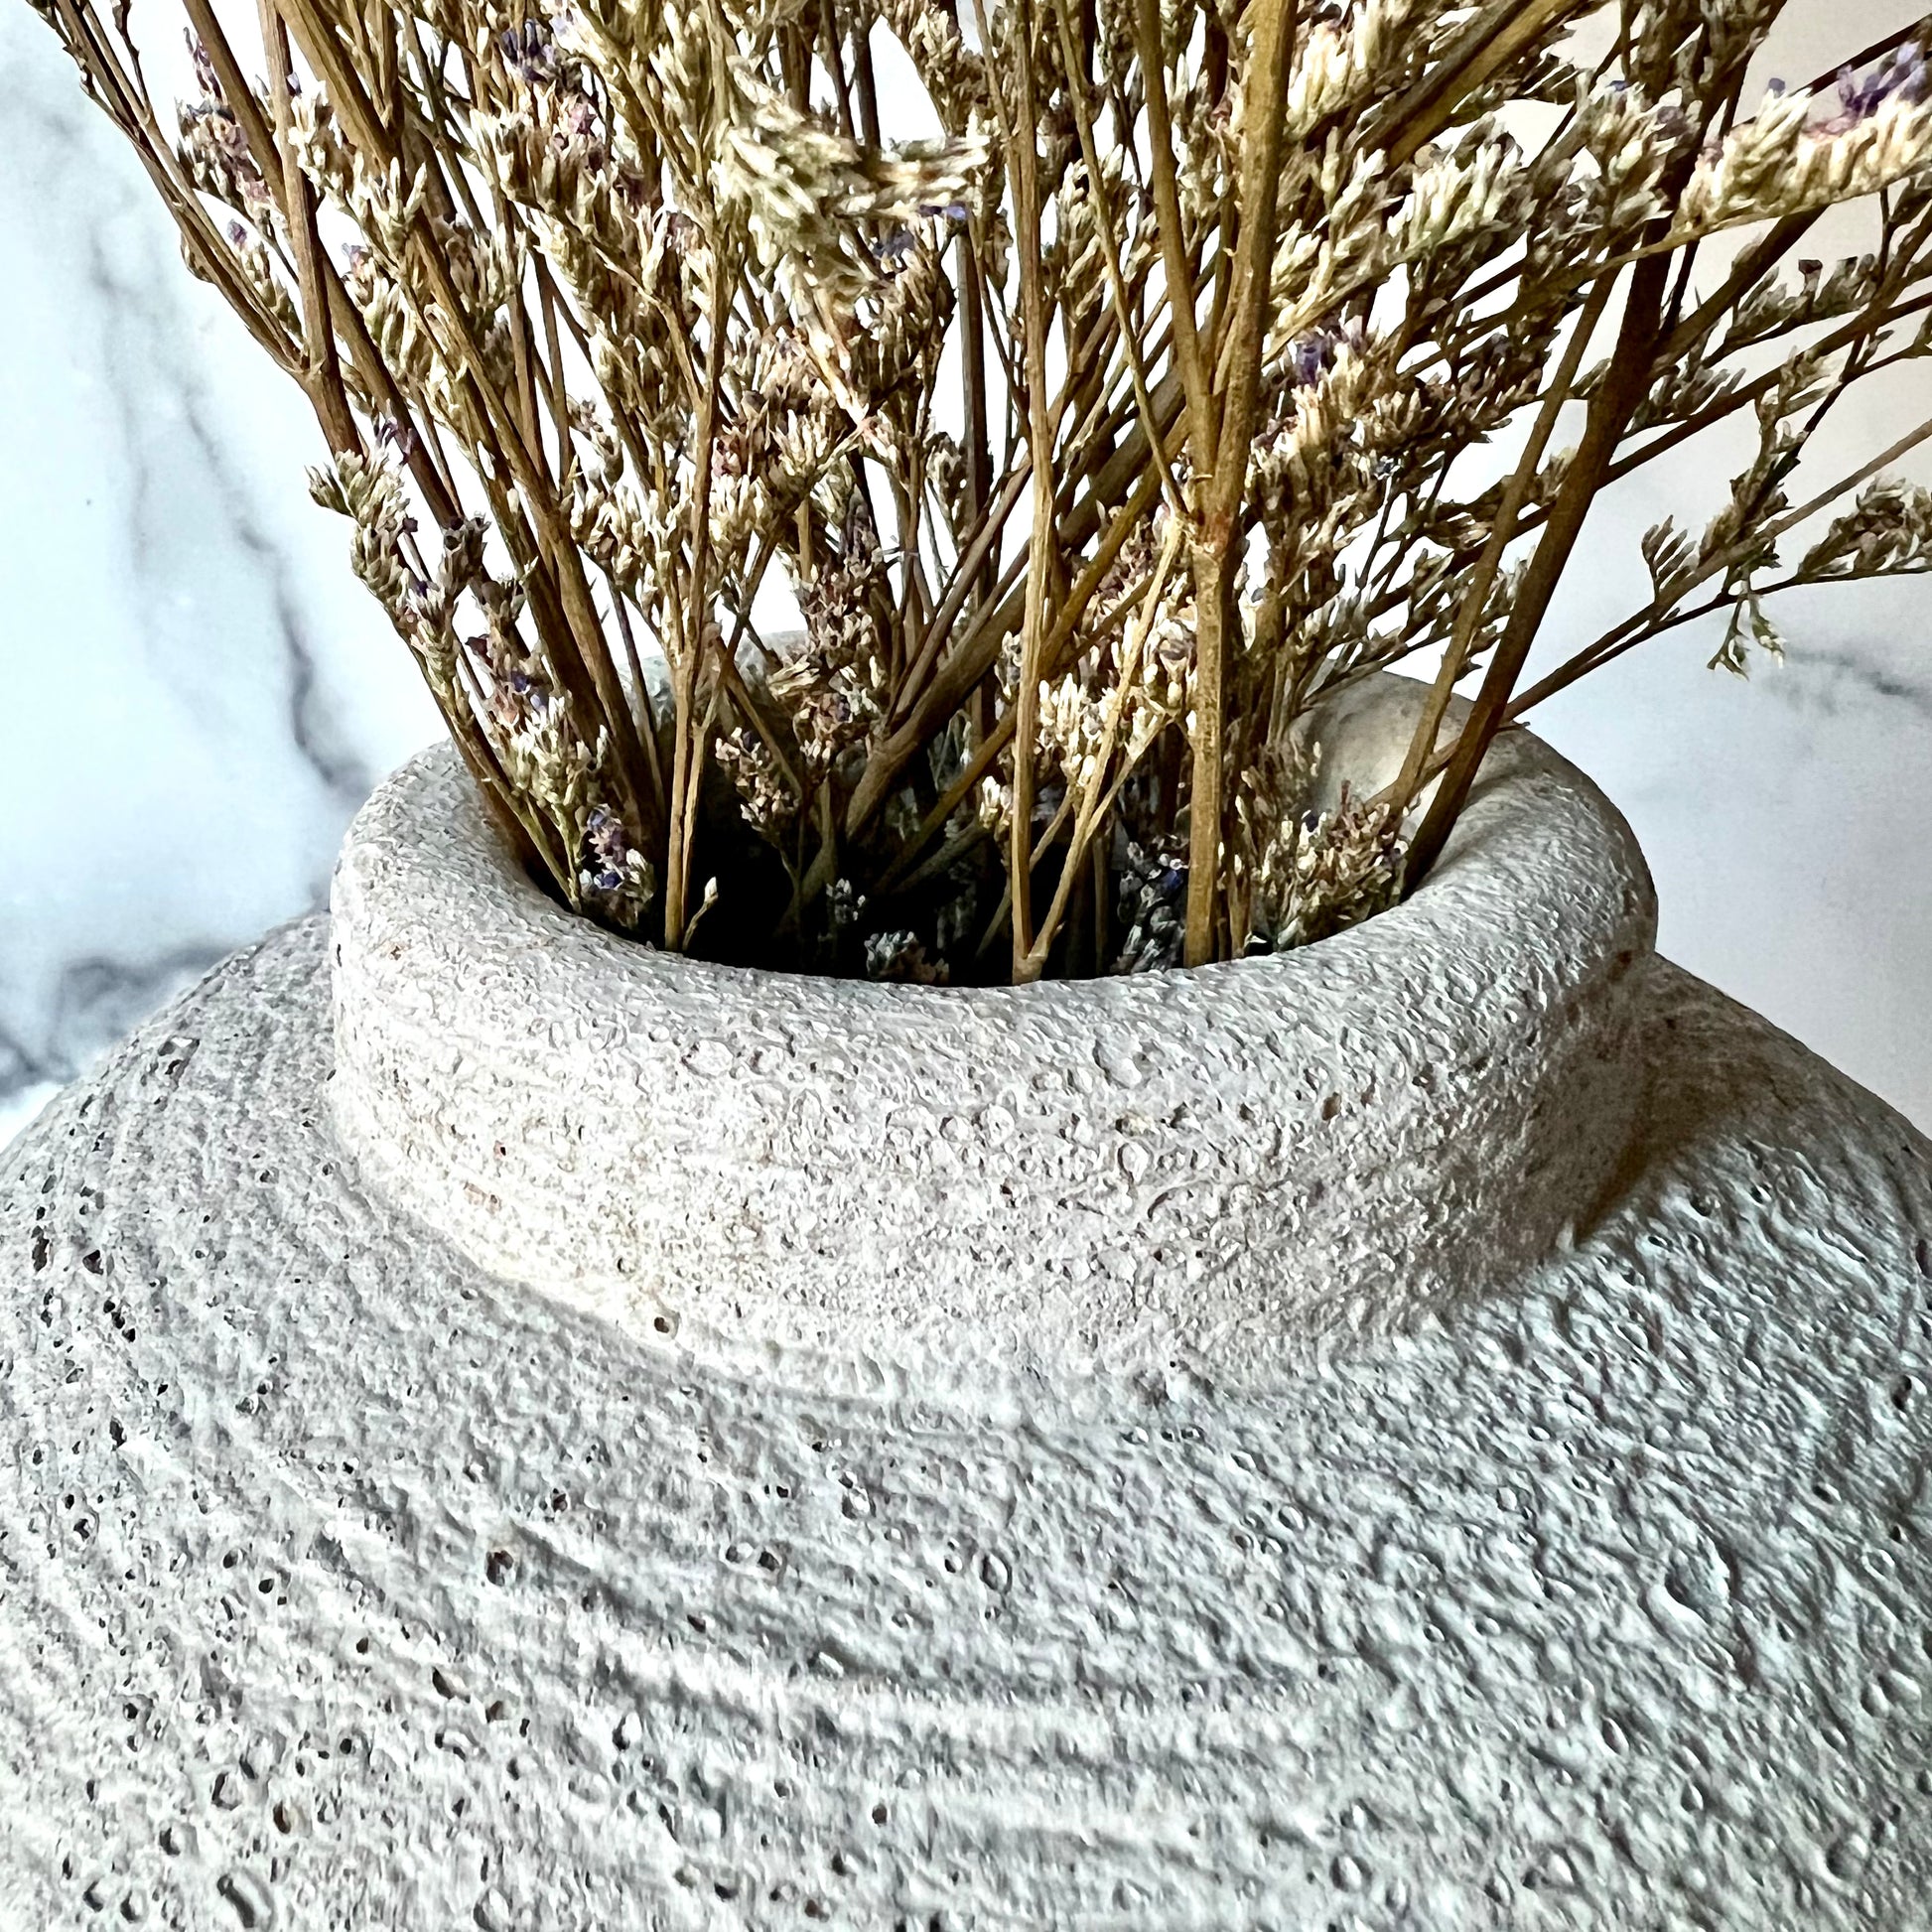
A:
<point x="511" y="1429"/>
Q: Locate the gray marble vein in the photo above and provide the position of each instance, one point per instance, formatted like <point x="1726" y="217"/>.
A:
<point x="172" y="450"/>
<point x="200" y="694"/>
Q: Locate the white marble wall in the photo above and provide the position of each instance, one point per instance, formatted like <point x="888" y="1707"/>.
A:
<point x="199" y="694"/>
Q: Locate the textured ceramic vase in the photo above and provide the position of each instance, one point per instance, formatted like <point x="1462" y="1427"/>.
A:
<point x="505" y="1430"/>
<point x="1224" y="1166"/>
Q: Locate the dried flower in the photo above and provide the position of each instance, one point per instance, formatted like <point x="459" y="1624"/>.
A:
<point x="620" y="320"/>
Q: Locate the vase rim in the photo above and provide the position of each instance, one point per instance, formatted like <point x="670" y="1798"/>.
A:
<point x="1213" y="1166"/>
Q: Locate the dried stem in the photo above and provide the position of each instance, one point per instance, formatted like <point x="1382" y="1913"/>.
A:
<point x="1096" y="439"/>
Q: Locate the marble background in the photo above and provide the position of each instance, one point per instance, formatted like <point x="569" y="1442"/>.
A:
<point x="199" y="695"/>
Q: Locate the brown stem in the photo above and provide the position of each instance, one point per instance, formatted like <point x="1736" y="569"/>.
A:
<point x="1624" y="387"/>
<point x="1040" y="554"/>
<point x="1616" y="642"/>
<point x="977" y="654"/>
<point x="979" y="449"/>
<point x="1216" y="546"/>
<point x="1475" y="598"/>
<point x="968" y="573"/>
<point x="1110" y="257"/>
<point x="1498" y="35"/>
<point x="1172" y="232"/>
<point x="863" y="72"/>
<point x="325" y="374"/>
<point x="687" y="763"/>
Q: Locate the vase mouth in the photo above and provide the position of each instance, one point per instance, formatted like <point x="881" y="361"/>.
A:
<point x="1218" y="1167"/>
<point x="1375" y="722"/>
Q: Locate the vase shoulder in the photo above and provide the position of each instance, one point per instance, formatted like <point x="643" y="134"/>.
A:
<point x="323" y="1544"/>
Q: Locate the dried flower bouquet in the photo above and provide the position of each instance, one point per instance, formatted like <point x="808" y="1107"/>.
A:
<point x="1098" y="430"/>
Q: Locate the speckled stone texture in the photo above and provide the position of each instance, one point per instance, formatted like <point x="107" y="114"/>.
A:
<point x="341" y="1585"/>
<point x="1208" y="1169"/>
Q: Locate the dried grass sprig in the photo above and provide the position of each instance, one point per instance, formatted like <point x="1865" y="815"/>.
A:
<point x="1097" y="431"/>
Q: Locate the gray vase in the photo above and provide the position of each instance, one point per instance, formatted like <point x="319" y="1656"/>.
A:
<point x="507" y="1428"/>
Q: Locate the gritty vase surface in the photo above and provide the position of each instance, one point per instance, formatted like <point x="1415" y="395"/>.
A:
<point x="1208" y="1167"/>
<point x="343" y="1585"/>
<point x="349" y="1581"/>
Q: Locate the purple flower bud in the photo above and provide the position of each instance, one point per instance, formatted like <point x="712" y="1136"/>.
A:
<point x="1901" y="77"/>
<point x="608" y="844"/>
<point x="1309" y="355"/>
